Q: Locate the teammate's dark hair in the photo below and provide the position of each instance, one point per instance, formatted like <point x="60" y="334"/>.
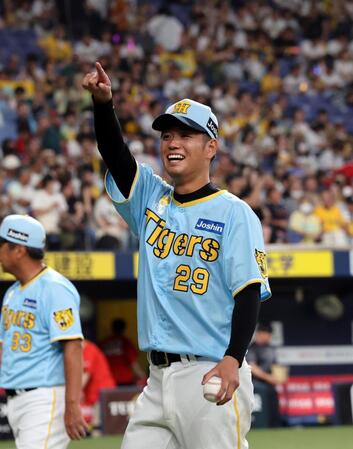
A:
<point x="34" y="253"/>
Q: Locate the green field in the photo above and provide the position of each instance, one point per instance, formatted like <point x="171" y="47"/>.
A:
<point x="308" y="438"/>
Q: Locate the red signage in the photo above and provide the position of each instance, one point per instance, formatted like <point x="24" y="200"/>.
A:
<point x="310" y="395"/>
<point x="117" y="405"/>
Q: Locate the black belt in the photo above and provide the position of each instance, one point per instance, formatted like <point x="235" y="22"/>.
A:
<point x="11" y="393"/>
<point x="164" y="359"/>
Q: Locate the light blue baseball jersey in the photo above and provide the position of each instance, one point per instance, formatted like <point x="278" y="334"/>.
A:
<point x="193" y="259"/>
<point x="34" y="319"/>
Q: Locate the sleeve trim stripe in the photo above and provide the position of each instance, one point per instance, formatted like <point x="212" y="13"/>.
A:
<point x="68" y="337"/>
<point x="131" y="190"/>
<point x="266" y="295"/>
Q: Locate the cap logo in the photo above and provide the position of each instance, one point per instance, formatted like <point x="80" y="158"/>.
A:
<point x="212" y="127"/>
<point x="181" y="107"/>
<point x="17" y="235"/>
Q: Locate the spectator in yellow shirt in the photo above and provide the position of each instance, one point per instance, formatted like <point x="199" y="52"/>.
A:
<point x="349" y="205"/>
<point x="332" y="220"/>
<point x="56" y="46"/>
<point x="304" y="224"/>
<point x="272" y="81"/>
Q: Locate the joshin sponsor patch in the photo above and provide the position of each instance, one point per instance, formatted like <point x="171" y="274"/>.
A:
<point x="211" y="226"/>
<point x="32" y="303"/>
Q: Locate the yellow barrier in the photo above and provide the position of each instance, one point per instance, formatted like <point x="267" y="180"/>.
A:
<point x="79" y="266"/>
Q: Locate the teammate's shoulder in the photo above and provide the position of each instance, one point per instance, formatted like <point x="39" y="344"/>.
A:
<point x="11" y="289"/>
<point x="54" y="277"/>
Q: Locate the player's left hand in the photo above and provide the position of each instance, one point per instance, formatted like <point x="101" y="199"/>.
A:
<point x="75" y="424"/>
<point x="228" y="370"/>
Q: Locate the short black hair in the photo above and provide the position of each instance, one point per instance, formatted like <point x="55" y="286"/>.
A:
<point x="119" y="326"/>
<point x="34" y="253"/>
<point x="47" y="179"/>
<point x="264" y="327"/>
<point x="2" y="241"/>
<point x="19" y="90"/>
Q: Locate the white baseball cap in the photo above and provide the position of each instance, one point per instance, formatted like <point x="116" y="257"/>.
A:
<point x="11" y="162"/>
<point x="23" y="230"/>
<point x="136" y="147"/>
<point x="191" y="113"/>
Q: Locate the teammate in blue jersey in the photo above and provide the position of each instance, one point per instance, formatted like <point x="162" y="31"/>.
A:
<point x="41" y="338"/>
<point x="202" y="274"/>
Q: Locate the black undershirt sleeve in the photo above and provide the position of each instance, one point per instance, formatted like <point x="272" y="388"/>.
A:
<point x="244" y="319"/>
<point x="115" y="152"/>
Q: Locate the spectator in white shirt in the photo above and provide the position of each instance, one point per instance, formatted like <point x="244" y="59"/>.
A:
<point x="112" y="231"/>
<point x="344" y="66"/>
<point x="295" y="81"/>
<point x="329" y="77"/>
<point x="48" y="205"/>
<point x="165" y="29"/>
<point x="314" y="49"/>
<point x="137" y="149"/>
<point x="153" y="109"/>
<point x="177" y="85"/>
<point x="21" y="192"/>
<point x="87" y="49"/>
<point x="274" y="24"/>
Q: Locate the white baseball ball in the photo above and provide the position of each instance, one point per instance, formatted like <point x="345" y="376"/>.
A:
<point x="211" y="389"/>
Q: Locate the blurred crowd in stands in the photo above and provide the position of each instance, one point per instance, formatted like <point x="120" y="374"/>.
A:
<point x="277" y="73"/>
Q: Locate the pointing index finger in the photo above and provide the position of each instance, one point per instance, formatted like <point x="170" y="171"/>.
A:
<point x="99" y="68"/>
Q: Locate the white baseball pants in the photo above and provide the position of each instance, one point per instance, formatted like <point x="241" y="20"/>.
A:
<point x="171" y="412"/>
<point x="37" y="418"/>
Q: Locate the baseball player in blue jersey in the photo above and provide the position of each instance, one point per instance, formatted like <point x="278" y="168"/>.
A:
<point x="202" y="274"/>
<point x="40" y="333"/>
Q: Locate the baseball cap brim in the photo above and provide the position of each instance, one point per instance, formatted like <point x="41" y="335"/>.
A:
<point x="2" y="241"/>
<point x="167" y="121"/>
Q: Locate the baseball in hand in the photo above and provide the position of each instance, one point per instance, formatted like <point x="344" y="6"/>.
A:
<point x="211" y="389"/>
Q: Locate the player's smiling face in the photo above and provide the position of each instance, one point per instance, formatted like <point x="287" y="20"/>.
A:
<point x="186" y="153"/>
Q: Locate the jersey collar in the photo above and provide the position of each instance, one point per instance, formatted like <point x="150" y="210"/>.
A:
<point x="199" y="200"/>
<point x="22" y="287"/>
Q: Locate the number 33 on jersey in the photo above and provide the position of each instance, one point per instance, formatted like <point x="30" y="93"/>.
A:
<point x="35" y="317"/>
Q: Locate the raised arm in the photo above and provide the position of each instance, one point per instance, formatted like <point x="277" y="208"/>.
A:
<point x="111" y="145"/>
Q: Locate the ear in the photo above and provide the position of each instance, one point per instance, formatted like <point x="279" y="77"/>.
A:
<point x="20" y="251"/>
<point x="211" y="148"/>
